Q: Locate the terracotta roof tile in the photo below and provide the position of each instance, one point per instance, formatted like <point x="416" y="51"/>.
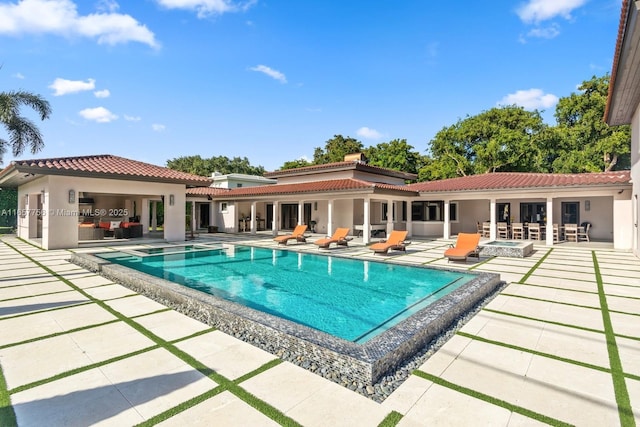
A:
<point x="616" y="60"/>
<point x="207" y="191"/>
<point x="335" y="185"/>
<point x="340" y="166"/>
<point x="511" y="180"/>
<point x="109" y="166"/>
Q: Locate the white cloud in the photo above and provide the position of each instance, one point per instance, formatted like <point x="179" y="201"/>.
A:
<point x="542" y="10"/>
<point x="98" y="114"/>
<point x="365" y="132"/>
<point x="132" y="118"/>
<point x="64" y="86"/>
<point x="102" y="93"/>
<point x="61" y="17"/>
<point x="205" y="8"/>
<point x="274" y="74"/>
<point x="530" y="99"/>
<point x="19" y="76"/>
<point x="545" y="32"/>
<point x="158" y="127"/>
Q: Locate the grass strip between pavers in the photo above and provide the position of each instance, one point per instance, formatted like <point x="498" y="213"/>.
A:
<point x="163" y="416"/>
<point x="535" y="352"/>
<point x="549" y="300"/>
<point x="193" y="335"/>
<point x="80" y="369"/>
<point x="247" y="397"/>
<point x="36" y="295"/>
<point x="31" y="313"/>
<point x="7" y="414"/>
<point x="481" y="263"/>
<point x="151" y="313"/>
<point x="57" y="334"/>
<point x="551" y="322"/>
<point x="492" y="400"/>
<point x="270" y="364"/>
<point x="535" y="267"/>
<point x="619" y="385"/>
<point x="391" y="420"/>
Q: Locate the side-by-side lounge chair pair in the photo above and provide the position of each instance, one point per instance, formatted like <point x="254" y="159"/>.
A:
<point x="396" y="242"/>
<point x="339" y="238"/>
<point x="297" y="234"/>
<point x="466" y="246"/>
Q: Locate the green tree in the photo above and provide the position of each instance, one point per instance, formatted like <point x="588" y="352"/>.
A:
<point x="293" y="164"/>
<point x="499" y="139"/>
<point x="396" y="154"/>
<point x="335" y="149"/>
<point x="8" y="206"/>
<point x="586" y="143"/>
<point x="22" y="131"/>
<point x="205" y="167"/>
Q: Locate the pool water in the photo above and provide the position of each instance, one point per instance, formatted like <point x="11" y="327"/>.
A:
<point x="508" y="243"/>
<point x="351" y="299"/>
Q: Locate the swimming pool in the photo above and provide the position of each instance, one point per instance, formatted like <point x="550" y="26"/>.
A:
<point x="365" y="354"/>
<point x="351" y="299"/>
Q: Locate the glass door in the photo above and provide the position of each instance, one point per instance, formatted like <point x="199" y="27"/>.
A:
<point x="570" y="213"/>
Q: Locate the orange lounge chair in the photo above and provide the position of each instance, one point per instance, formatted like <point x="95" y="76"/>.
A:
<point x="466" y="246"/>
<point x="297" y="234"/>
<point x="394" y="242"/>
<point x="339" y="238"/>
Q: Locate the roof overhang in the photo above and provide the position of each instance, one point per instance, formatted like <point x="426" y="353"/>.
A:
<point x="624" y="86"/>
<point x="533" y="192"/>
<point x="16" y="175"/>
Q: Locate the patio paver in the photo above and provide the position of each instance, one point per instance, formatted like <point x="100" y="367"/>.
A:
<point x="512" y="350"/>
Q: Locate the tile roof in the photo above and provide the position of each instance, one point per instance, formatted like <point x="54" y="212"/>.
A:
<point x="335" y="185"/>
<point x="512" y="180"/>
<point x="327" y="167"/>
<point x="207" y="191"/>
<point x="616" y="61"/>
<point x="106" y="166"/>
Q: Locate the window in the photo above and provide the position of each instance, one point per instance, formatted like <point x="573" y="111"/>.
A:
<point x="238" y="185"/>
<point x="385" y="209"/>
<point x="224" y="207"/>
<point x="433" y="211"/>
<point x="532" y="212"/>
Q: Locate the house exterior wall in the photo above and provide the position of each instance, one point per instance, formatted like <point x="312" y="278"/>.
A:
<point x="635" y="178"/>
<point x="60" y="223"/>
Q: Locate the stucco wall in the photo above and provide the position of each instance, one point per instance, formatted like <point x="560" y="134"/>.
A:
<point x="635" y="178"/>
<point x="60" y="223"/>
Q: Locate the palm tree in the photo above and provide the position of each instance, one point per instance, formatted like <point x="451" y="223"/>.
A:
<point x="22" y="131"/>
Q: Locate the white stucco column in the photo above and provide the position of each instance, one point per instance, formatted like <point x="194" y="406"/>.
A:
<point x="389" y="217"/>
<point x="409" y="225"/>
<point x="253" y="218"/>
<point x="300" y="211"/>
<point x="366" y="226"/>
<point x="154" y="215"/>
<point x="144" y="215"/>
<point x="212" y="214"/>
<point x="625" y="217"/>
<point x="549" y="223"/>
<point x="274" y="224"/>
<point x="446" y="233"/>
<point x="330" y="217"/>
<point x="492" y="208"/>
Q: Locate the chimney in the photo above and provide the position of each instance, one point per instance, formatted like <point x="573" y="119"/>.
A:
<point x="355" y="157"/>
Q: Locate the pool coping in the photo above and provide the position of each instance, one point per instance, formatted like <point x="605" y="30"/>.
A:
<point x="331" y="357"/>
<point x="524" y="248"/>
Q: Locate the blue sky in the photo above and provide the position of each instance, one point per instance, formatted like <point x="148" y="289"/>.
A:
<point x="271" y="80"/>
